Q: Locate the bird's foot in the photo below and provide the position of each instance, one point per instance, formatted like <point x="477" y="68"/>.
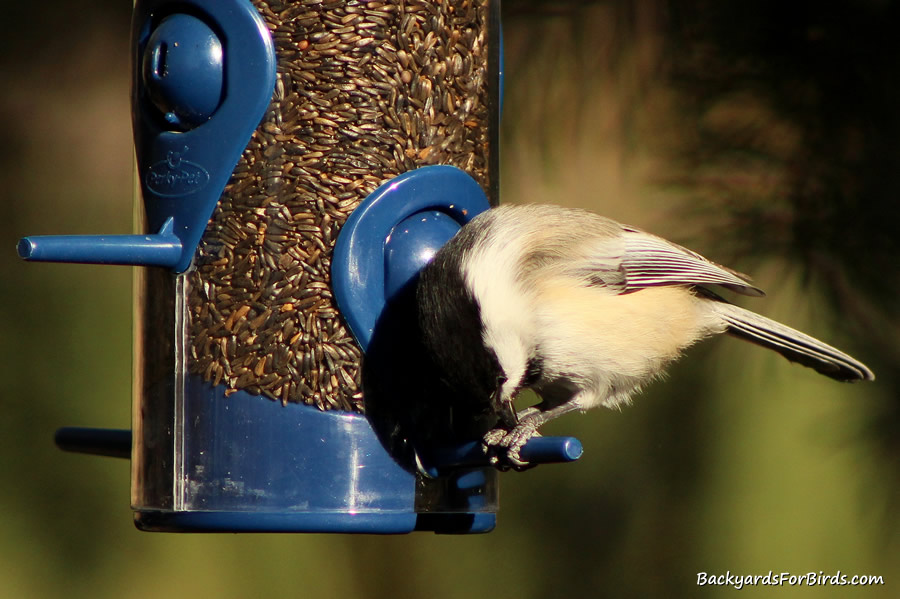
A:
<point x="503" y="446"/>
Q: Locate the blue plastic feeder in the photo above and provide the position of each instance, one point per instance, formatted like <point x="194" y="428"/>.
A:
<point x="207" y="455"/>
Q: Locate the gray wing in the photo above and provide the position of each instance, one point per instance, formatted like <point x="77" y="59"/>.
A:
<point x="650" y="261"/>
<point x="604" y="253"/>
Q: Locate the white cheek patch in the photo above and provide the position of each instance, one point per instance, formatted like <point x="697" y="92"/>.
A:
<point x="506" y="309"/>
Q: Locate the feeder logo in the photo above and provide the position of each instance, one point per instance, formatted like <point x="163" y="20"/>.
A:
<point x="176" y="176"/>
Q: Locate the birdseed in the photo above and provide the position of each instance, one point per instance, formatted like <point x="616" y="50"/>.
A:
<point x="365" y="91"/>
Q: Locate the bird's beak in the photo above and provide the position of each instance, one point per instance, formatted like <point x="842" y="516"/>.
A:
<point x="504" y="407"/>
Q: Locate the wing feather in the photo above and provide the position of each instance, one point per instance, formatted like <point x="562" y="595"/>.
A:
<point x="604" y="253"/>
<point x="651" y="261"/>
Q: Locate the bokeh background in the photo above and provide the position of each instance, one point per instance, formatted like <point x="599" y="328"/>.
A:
<point x="762" y="134"/>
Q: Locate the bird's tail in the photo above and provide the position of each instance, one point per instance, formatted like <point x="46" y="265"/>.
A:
<point x="793" y="345"/>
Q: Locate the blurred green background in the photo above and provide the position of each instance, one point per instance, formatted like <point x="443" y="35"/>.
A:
<point x="760" y="134"/>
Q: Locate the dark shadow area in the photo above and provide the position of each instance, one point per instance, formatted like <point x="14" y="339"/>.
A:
<point x="406" y="400"/>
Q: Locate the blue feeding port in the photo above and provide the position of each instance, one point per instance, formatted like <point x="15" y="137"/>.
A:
<point x="204" y="77"/>
<point x="211" y="451"/>
<point x="389" y="238"/>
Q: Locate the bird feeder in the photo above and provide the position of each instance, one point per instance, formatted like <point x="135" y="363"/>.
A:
<point x="299" y="162"/>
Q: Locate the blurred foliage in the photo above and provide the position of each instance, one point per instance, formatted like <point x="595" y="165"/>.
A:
<point x="758" y="133"/>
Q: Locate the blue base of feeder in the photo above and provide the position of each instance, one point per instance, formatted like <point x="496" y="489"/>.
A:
<point x="235" y="522"/>
<point x="161" y="521"/>
<point x="243" y="462"/>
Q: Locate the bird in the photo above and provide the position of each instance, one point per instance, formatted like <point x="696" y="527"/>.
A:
<point x="582" y="310"/>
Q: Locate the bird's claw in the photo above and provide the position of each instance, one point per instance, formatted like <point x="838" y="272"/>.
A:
<point x="503" y="446"/>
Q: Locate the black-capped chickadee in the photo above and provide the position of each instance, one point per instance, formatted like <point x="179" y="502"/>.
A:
<point x="584" y="311"/>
